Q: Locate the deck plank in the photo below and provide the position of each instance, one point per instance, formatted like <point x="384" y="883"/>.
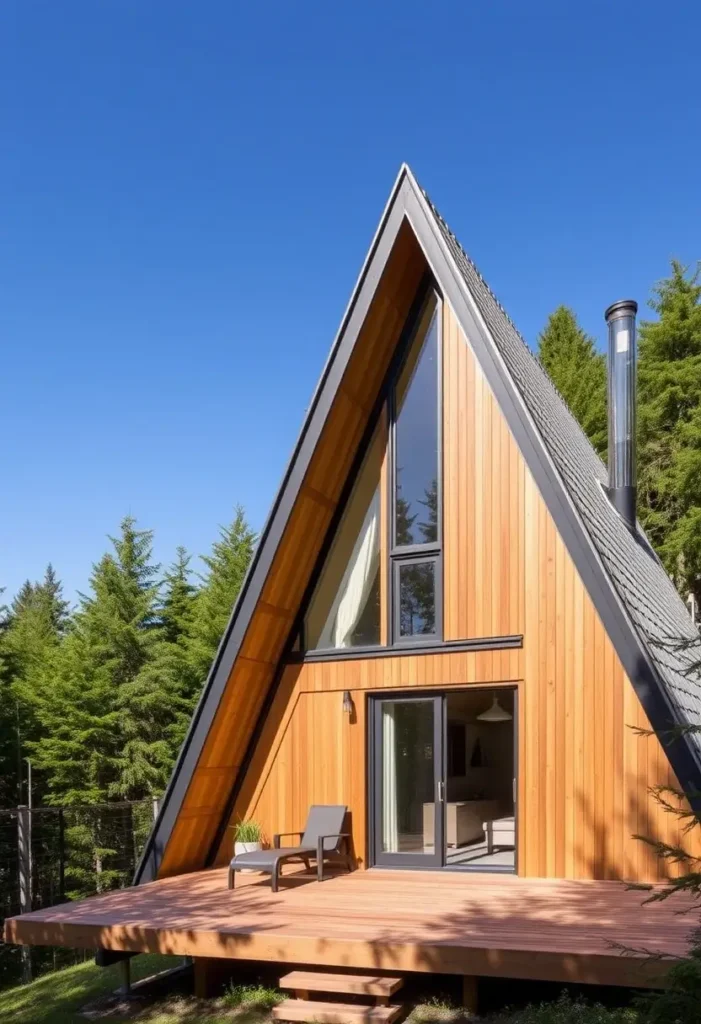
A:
<point x="350" y="984"/>
<point x="433" y="921"/>
<point x="334" y="1013"/>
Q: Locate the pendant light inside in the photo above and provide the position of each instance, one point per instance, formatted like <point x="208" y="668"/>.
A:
<point x="495" y="714"/>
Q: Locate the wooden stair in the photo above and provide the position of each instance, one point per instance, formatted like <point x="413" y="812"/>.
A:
<point x="302" y="1008"/>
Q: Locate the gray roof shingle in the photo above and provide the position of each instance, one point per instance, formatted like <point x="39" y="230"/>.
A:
<point x="654" y="607"/>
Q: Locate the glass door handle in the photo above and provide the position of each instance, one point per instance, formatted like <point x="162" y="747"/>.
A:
<point x="441" y="792"/>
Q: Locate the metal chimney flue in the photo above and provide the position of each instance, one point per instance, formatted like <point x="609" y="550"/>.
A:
<point x="620" y="317"/>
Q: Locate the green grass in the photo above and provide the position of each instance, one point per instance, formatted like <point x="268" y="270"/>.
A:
<point x="253" y="997"/>
<point x="566" y="1010"/>
<point x="563" y="1010"/>
<point x="436" y="1010"/>
<point x="56" y="998"/>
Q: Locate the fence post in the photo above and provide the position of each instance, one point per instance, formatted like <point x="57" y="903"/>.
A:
<point x="24" y="871"/>
<point x="24" y="859"/>
<point x="61" y="855"/>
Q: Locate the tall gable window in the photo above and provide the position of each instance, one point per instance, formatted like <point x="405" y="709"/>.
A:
<point x="416" y="440"/>
<point x="415" y="498"/>
<point x="380" y="581"/>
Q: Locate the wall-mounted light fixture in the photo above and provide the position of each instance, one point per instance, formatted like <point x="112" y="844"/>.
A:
<point x="347" y="703"/>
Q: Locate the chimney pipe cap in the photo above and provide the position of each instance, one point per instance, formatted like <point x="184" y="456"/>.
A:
<point x="624" y="307"/>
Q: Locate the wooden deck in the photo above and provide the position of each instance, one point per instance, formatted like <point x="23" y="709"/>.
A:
<point x="440" y="922"/>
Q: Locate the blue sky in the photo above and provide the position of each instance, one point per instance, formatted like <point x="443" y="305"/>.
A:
<point x="188" y="191"/>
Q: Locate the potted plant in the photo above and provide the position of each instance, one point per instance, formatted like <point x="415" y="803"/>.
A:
<point x="248" y="836"/>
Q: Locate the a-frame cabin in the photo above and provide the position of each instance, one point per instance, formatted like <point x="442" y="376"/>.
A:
<point x="452" y="628"/>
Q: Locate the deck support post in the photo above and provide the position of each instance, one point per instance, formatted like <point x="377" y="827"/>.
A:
<point x="210" y="973"/>
<point x="469" y="992"/>
<point x="202" y="976"/>
<point x="125" y="976"/>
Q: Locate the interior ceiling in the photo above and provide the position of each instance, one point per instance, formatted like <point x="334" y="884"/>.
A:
<point x="478" y="700"/>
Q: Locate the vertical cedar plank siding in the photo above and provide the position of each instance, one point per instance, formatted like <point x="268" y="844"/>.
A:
<point x="483" y="481"/>
<point x="584" y="774"/>
<point x="262" y="648"/>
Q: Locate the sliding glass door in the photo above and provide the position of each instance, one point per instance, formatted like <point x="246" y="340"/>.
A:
<point x="408" y="782"/>
<point x="442" y="779"/>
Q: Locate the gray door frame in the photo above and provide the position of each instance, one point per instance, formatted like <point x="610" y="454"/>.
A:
<point x="378" y="858"/>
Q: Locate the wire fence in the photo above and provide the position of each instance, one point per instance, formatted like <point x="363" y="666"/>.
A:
<point x="50" y="855"/>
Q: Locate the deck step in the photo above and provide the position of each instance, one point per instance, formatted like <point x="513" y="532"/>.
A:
<point x="350" y="984"/>
<point x="334" y="1013"/>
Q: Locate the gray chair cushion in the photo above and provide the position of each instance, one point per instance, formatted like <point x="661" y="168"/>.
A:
<point x="264" y="860"/>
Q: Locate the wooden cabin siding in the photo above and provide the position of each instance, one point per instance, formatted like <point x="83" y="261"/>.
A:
<point x="254" y="670"/>
<point x="483" y="501"/>
<point x="584" y="773"/>
<point x="311" y="752"/>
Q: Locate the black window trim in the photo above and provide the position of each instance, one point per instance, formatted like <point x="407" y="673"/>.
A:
<point x="427" y="551"/>
<point x="427" y="292"/>
<point x="417" y="639"/>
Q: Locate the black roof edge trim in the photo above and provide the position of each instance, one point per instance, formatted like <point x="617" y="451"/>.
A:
<point x="351" y="324"/>
<point x="624" y="636"/>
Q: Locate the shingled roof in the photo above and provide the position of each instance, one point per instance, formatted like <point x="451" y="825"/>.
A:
<point x="655" y="609"/>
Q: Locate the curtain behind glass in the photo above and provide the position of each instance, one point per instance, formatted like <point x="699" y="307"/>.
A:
<point x="390" y="832"/>
<point x="345" y="609"/>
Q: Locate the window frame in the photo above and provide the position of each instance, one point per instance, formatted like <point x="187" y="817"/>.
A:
<point x="430" y="551"/>
<point x="396" y="605"/>
<point x="427" y="294"/>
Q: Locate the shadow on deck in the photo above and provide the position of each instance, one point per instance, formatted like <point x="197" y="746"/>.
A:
<point x="437" y="922"/>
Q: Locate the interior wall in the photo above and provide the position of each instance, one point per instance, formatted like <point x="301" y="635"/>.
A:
<point x="493" y="779"/>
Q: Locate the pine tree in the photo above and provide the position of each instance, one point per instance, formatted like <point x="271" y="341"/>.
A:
<point x="37" y="621"/>
<point x="38" y="617"/>
<point x="226" y="568"/>
<point x="50" y="596"/>
<point x="86" y="720"/>
<point x="159" y="702"/>
<point x="669" y="387"/>
<point x="8" y="732"/>
<point x="179" y="599"/>
<point x="578" y="371"/>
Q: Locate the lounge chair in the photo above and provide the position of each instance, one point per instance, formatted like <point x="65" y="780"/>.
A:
<point x="322" y="840"/>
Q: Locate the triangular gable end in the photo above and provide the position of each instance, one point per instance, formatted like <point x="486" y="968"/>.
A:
<point x="242" y="683"/>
